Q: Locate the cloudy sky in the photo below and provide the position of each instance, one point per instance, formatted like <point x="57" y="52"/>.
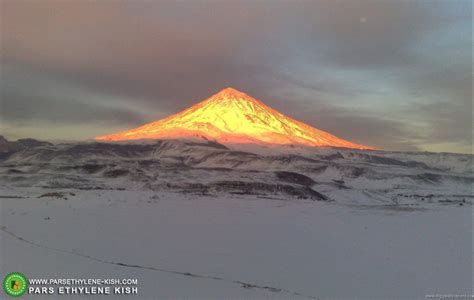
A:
<point x="391" y="74"/>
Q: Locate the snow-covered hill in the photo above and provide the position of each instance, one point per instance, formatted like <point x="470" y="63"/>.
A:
<point x="208" y="168"/>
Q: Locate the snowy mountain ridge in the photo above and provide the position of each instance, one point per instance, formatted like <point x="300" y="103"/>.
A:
<point x="340" y="175"/>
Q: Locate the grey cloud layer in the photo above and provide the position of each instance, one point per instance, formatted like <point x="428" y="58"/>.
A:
<point x="322" y="62"/>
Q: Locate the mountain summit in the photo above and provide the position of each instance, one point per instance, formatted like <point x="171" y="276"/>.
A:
<point x="231" y="116"/>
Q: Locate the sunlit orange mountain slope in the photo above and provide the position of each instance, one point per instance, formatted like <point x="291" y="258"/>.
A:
<point x="231" y="116"/>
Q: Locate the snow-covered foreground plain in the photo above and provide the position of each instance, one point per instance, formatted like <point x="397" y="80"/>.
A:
<point x="205" y="247"/>
<point x="200" y="220"/>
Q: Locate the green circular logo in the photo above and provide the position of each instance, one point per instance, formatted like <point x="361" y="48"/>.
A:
<point x="15" y="284"/>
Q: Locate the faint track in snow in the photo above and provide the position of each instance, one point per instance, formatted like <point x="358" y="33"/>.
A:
<point x="243" y="284"/>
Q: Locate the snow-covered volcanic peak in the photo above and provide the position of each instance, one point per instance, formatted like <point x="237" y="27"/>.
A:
<point x="233" y="117"/>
